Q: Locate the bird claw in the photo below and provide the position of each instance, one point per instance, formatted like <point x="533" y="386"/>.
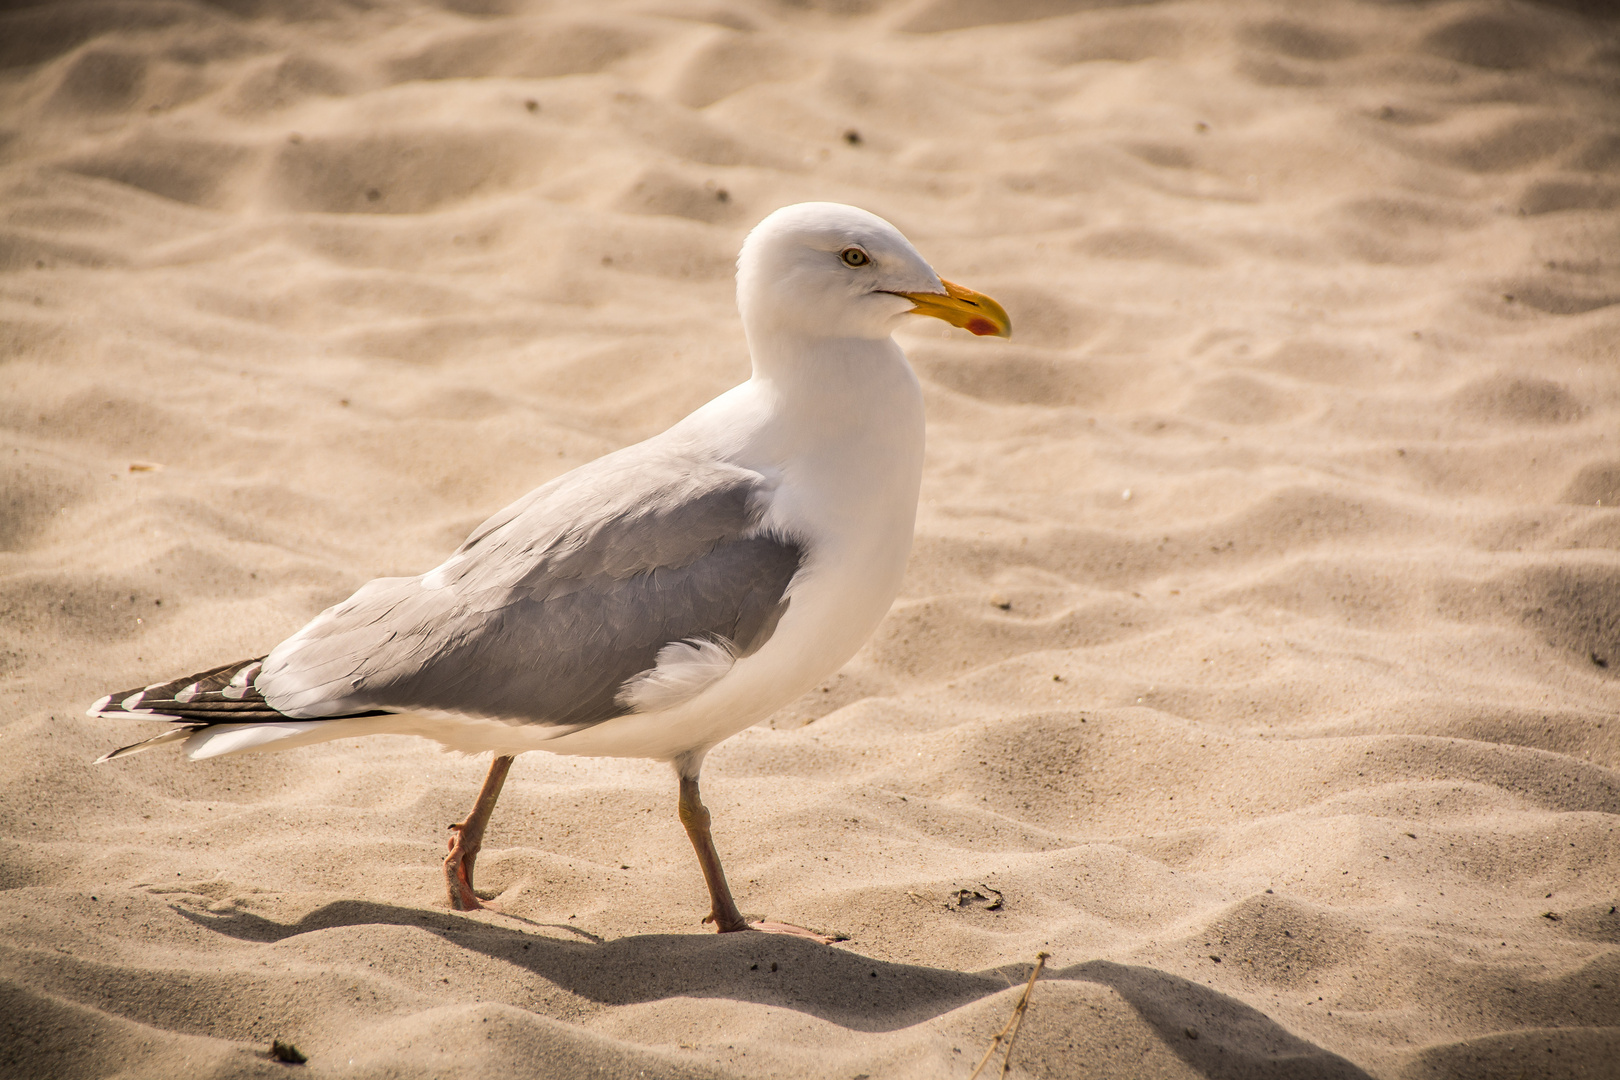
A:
<point x="766" y="927"/>
<point x="795" y="931"/>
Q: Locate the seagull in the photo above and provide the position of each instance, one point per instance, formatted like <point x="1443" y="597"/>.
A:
<point x="659" y="599"/>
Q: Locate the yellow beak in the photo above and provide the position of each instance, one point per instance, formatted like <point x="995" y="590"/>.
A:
<point x="972" y="311"/>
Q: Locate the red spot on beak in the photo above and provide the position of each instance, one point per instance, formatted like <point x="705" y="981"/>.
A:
<point x="981" y="327"/>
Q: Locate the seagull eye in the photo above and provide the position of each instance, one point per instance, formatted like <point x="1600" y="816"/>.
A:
<point x="854" y="257"/>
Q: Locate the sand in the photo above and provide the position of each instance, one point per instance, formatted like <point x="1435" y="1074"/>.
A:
<point x="1259" y="648"/>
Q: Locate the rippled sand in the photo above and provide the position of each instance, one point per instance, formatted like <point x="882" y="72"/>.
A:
<point x="1258" y="656"/>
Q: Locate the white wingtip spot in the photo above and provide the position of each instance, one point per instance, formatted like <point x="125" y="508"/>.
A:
<point x="235" y="693"/>
<point x="188" y="693"/>
<point x="101" y="703"/>
<point x="133" y="702"/>
<point x="245" y="677"/>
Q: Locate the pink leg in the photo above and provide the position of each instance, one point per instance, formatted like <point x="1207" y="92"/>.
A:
<point x="723" y="911"/>
<point x="468" y="838"/>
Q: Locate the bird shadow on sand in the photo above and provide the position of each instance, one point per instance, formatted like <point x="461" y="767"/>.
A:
<point x="1232" y="1040"/>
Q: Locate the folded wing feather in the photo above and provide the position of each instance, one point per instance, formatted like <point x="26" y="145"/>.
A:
<point x="556" y="604"/>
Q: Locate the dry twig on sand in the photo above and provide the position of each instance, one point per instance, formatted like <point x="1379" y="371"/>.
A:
<point x="1010" y="1032"/>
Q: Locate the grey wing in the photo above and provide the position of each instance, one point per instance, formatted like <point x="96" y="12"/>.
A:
<point x="551" y="606"/>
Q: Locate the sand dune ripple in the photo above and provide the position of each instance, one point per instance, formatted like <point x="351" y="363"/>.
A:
<point x="1259" y="650"/>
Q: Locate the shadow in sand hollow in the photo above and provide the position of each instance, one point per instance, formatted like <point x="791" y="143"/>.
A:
<point x="1219" y="1036"/>
<point x="1233" y="1040"/>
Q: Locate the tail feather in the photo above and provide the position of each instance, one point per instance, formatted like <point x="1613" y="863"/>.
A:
<point x="216" y="698"/>
<point x="172" y="735"/>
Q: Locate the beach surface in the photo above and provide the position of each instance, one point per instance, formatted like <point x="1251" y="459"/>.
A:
<point x="1258" y="654"/>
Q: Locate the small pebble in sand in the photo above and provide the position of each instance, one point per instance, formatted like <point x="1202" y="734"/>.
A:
<point x="286" y="1052"/>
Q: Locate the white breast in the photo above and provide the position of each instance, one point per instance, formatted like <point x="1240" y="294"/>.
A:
<point x="847" y="448"/>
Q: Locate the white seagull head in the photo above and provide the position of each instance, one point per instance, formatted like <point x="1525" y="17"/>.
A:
<point x="826" y="270"/>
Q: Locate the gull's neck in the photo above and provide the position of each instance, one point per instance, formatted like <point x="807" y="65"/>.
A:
<point x="823" y="387"/>
<point x="840" y="422"/>
<point x="813" y="369"/>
